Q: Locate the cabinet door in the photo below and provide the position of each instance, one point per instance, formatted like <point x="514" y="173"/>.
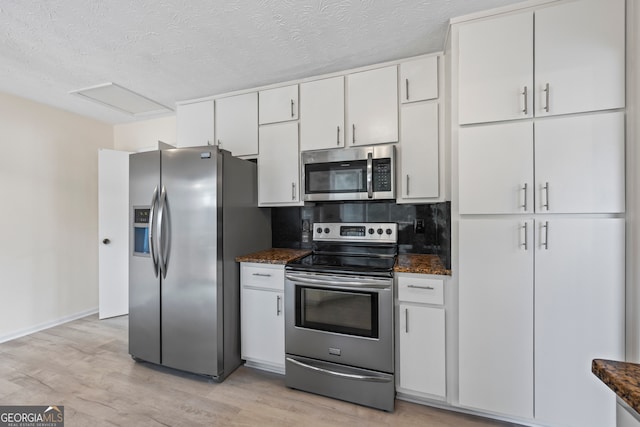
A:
<point x="278" y="105"/>
<point x="495" y="168"/>
<point x="278" y="165"/>
<point x="580" y="164"/>
<point x="237" y="124"/>
<point x="422" y="349"/>
<point x="496" y="316"/>
<point x="579" y="307"/>
<point x="372" y="106"/>
<point x="419" y="80"/>
<point x="495" y="69"/>
<point x="262" y="335"/>
<point x="322" y="114"/>
<point x="580" y="54"/>
<point x="194" y="124"/>
<point x="419" y="152"/>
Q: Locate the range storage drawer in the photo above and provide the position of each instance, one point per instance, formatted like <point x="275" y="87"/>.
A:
<point x="419" y="289"/>
<point x="264" y="276"/>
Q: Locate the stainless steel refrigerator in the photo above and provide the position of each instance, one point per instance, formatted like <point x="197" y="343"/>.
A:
<point x="192" y="211"/>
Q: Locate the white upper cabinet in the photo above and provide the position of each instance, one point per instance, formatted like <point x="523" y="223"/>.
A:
<point x="278" y="105"/>
<point x="419" y="79"/>
<point x="579" y="62"/>
<point x="322" y="114"/>
<point x="495" y="69"/>
<point x="237" y="124"/>
<point x="372" y="106"/>
<point x="279" y="165"/>
<point x="579" y="164"/>
<point x="580" y="55"/>
<point x="419" y="152"/>
<point x="495" y="167"/>
<point x="194" y="124"/>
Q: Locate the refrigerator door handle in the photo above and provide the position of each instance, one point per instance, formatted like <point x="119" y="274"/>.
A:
<point x="152" y="239"/>
<point x="163" y="240"/>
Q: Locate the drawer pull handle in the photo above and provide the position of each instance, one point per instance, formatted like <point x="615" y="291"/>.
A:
<point x="429" y="288"/>
<point x="261" y="274"/>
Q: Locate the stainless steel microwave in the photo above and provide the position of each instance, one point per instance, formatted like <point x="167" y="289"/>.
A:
<point x="363" y="173"/>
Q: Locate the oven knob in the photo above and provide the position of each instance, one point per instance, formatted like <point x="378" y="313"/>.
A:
<point x="389" y="231"/>
<point x="326" y="230"/>
<point x="319" y="230"/>
<point x="371" y="231"/>
<point x="379" y="230"/>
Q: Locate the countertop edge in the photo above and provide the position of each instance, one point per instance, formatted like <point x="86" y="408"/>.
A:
<point x="623" y="378"/>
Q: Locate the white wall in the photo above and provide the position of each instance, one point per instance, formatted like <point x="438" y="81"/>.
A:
<point x="48" y="214"/>
<point x="143" y="136"/>
<point x="633" y="182"/>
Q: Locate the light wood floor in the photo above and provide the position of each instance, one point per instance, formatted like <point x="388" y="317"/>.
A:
<point x="84" y="365"/>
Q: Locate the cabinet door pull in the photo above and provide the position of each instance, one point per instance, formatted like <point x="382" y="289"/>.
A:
<point x="546" y="236"/>
<point x="338" y="136"/>
<point x="546" y="97"/>
<point x="407" y="184"/>
<point x="525" y="92"/>
<point x="293" y="191"/>
<point x="261" y="275"/>
<point x="406" y="320"/>
<point x="278" y="310"/>
<point x="546" y="193"/>
<point x="219" y="143"/>
<point x="429" y="288"/>
<point x="524" y="188"/>
<point x="353" y="133"/>
<point x="525" y="227"/>
<point x="406" y="84"/>
<point x="292" y="108"/>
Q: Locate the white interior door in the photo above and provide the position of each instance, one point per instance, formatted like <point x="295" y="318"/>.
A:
<point x="113" y="233"/>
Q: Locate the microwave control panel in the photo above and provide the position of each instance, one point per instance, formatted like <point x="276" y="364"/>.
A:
<point x="382" y="175"/>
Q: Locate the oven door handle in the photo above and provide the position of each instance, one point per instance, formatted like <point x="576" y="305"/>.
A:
<point x="336" y="282"/>
<point x="339" y="374"/>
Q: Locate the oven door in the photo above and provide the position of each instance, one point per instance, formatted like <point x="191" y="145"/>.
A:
<point x="340" y="318"/>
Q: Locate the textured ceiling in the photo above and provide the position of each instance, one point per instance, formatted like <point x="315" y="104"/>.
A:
<point x="173" y="50"/>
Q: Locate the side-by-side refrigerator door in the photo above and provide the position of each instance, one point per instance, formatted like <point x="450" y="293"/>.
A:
<point x="191" y="297"/>
<point x="144" y="278"/>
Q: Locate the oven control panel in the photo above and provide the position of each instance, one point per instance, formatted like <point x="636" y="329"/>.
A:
<point x="375" y="232"/>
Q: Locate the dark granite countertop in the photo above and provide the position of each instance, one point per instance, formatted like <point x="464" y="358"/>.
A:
<point x="621" y="377"/>
<point x="421" y="264"/>
<point x="274" y="256"/>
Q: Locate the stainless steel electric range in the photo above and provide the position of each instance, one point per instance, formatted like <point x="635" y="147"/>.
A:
<point x="339" y="314"/>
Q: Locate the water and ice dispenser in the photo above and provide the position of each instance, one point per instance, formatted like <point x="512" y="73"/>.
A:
<point x="141" y="231"/>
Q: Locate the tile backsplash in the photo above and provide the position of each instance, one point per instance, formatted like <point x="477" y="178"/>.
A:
<point x="292" y="226"/>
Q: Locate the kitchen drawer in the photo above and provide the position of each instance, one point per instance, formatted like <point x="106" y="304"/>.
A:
<point x="263" y="276"/>
<point x="420" y="289"/>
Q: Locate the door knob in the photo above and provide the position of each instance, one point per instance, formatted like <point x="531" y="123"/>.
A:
<point x="106" y="241"/>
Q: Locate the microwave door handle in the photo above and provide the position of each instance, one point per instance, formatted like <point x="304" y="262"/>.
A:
<point x="370" y="175"/>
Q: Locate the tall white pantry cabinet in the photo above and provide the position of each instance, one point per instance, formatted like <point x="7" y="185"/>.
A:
<point x="538" y="209"/>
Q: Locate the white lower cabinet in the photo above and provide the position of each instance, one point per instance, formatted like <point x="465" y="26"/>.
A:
<point x="421" y="336"/>
<point x="262" y="316"/>
<point x="538" y="300"/>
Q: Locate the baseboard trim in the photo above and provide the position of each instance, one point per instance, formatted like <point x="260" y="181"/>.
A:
<point x="46" y="325"/>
